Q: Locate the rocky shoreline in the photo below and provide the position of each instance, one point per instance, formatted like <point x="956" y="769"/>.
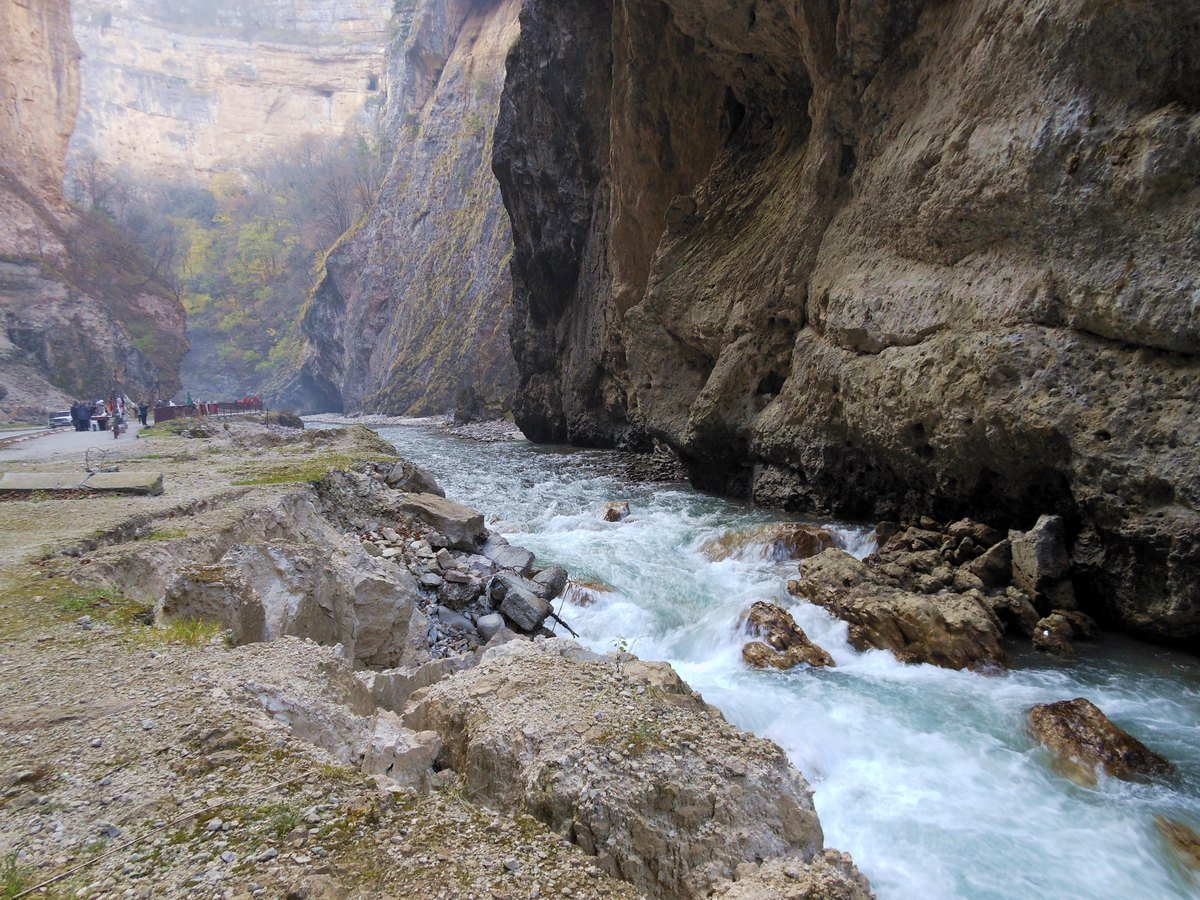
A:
<point x="327" y="679"/>
<point x="350" y="615"/>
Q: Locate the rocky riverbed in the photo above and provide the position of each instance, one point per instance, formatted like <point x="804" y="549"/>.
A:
<point x="301" y="671"/>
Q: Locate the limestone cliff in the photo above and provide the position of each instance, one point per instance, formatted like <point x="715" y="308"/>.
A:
<point x="413" y="305"/>
<point x="81" y="313"/>
<point x="180" y="88"/>
<point x="886" y="257"/>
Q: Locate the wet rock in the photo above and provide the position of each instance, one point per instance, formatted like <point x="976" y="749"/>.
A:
<point x="672" y="817"/>
<point x="615" y="511"/>
<point x="1083" y="626"/>
<point x="524" y="608"/>
<point x="952" y="630"/>
<point x="1040" y="564"/>
<point x="1183" y="840"/>
<point x="412" y="479"/>
<point x="1054" y="635"/>
<point x="1084" y="740"/>
<point x="550" y="582"/>
<point x="779" y="542"/>
<point x="783" y="643"/>
<point x="461" y="526"/>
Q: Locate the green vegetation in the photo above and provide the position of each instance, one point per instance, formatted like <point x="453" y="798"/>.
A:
<point x="189" y="631"/>
<point x="13" y="877"/>
<point x="242" y="252"/>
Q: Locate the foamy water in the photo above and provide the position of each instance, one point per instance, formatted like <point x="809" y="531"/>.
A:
<point x="926" y="776"/>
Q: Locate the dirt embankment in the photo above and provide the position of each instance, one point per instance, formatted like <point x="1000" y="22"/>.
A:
<point x="259" y="684"/>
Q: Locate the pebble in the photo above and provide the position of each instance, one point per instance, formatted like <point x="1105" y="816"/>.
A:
<point x="96" y="742"/>
<point x="228" y="856"/>
<point x="147" y="724"/>
<point x="214" y="825"/>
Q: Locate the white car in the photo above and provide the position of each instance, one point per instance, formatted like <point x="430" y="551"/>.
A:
<point x="60" y="418"/>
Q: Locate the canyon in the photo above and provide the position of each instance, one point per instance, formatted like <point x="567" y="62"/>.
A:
<point x="411" y="313"/>
<point x="84" y="313"/>
<point x="885" y="259"/>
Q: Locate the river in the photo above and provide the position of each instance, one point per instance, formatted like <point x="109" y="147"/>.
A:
<point x="925" y="775"/>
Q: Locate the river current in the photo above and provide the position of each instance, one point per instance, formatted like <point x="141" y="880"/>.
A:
<point x="927" y="776"/>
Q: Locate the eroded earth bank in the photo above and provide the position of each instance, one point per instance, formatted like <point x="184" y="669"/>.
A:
<point x="302" y="671"/>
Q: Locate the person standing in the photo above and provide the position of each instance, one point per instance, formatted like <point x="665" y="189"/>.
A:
<point x="143" y="407"/>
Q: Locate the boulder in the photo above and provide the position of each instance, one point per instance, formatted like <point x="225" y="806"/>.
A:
<point x="779" y="542"/>
<point x="1015" y="611"/>
<point x="506" y="556"/>
<point x="412" y="479"/>
<point x="1053" y="635"/>
<point x="550" y="582"/>
<point x="520" y="602"/>
<point x="489" y="626"/>
<point x="1084" y="740"/>
<point x="615" y="511"/>
<point x="1183" y="841"/>
<point x="1040" y="564"/>
<point x="661" y="789"/>
<point x="783" y="644"/>
<point x="460" y="525"/>
<point x="398" y="753"/>
<point x="955" y="631"/>
<point x="994" y="566"/>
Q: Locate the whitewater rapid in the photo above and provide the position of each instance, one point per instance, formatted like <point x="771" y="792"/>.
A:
<point x="925" y="775"/>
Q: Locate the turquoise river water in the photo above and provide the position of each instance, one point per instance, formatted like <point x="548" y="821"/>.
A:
<point x="925" y="775"/>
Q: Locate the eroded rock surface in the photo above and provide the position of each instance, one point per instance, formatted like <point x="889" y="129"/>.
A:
<point x="955" y="630"/>
<point x="412" y="311"/>
<point x="1085" y="741"/>
<point x="624" y="759"/>
<point x="838" y="255"/>
<point x="782" y="643"/>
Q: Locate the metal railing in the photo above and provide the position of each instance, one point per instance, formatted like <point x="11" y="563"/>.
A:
<point x="218" y="410"/>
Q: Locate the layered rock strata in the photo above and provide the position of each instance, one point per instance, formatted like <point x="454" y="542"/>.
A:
<point x="889" y="258"/>
<point x="412" y="310"/>
<point x="82" y="313"/>
<point x="186" y="88"/>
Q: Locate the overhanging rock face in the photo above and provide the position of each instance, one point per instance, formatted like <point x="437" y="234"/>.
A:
<point x="845" y="257"/>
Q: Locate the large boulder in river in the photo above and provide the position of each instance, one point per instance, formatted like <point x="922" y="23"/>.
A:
<point x="1041" y="564"/>
<point x="782" y="643"/>
<point x="780" y="541"/>
<point x="954" y="630"/>
<point x="1084" y="740"/>
<point x="622" y="757"/>
<point x="615" y="511"/>
<point x="412" y="479"/>
<point x="461" y="525"/>
<point x="1183" y="840"/>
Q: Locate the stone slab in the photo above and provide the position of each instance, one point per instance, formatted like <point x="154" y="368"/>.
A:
<point x="120" y="482"/>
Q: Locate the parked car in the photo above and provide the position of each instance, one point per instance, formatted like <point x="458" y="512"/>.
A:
<point x="60" y="418"/>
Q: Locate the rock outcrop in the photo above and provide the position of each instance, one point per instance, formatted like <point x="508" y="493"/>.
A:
<point x="411" y="314"/>
<point x="888" y="258"/>
<point x="82" y="313"/>
<point x="779" y="642"/>
<point x="623" y="759"/>
<point x="188" y="88"/>
<point x="1084" y="741"/>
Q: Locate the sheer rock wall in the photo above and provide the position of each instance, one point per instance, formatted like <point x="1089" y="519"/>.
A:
<point x="81" y="313"/>
<point x="884" y="257"/>
<point x="413" y="305"/>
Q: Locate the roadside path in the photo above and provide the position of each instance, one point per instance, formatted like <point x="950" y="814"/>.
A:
<point x="45" y="445"/>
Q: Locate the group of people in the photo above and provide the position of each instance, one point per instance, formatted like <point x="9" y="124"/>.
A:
<point x="112" y="414"/>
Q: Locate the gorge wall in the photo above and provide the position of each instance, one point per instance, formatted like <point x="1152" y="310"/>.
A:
<point x="181" y="88"/>
<point x="880" y="257"/>
<point x="413" y="305"/>
<point x="82" y="313"/>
